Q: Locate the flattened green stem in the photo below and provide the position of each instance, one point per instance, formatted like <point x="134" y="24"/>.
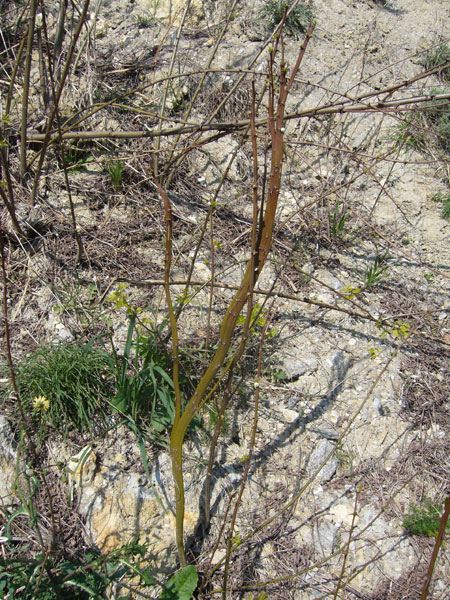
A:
<point x="254" y="267"/>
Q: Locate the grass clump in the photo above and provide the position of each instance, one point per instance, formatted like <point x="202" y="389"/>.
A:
<point x="143" y="22"/>
<point x="115" y="171"/>
<point x="444" y="198"/>
<point x="144" y="389"/>
<point x="66" y="384"/>
<point x="437" y="117"/>
<point x="296" y="22"/>
<point x="440" y="56"/>
<point x="424" y="519"/>
<point x="377" y="271"/>
<point x="428" y="129"/>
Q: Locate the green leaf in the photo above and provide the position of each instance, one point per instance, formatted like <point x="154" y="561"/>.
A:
<point x="180" y="586"/>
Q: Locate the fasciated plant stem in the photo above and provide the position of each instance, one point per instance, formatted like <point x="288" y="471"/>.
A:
<point x="247" y="324"/>
<point x="264" y="239"/>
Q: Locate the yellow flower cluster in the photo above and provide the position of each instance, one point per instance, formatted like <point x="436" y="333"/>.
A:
<point x="41" y="404"/>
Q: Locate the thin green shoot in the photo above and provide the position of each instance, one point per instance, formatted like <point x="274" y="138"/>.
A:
<point x="115" y="170"/>
<point x="377" y="271"/>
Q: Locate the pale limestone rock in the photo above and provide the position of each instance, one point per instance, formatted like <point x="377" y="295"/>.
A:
<point x="324" y="537"/>
<point x="8" y="454"/>
<point x="377" y="535"/>
<point x="318" y="455"/>
<point x="172" y="10"/>
<point x="297" y="366"/>
<point x="121" y="506"/>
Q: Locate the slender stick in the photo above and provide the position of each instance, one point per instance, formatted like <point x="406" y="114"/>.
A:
<point x="389" y="107"/>
<point x="24" y="420"/>
<point x="248" y="459"/>
<point x="166" y="87"/>
<point x="199" y="88"/>
<point x="52" y="68"/>
<point x="26" y="89"/>
<point x="347" y="548"/>
<point x="47" y="139"/>
<point x="437" y="545"/>
<point x="176" y="457"/>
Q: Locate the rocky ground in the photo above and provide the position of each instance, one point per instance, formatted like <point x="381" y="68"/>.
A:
<point x="354" y="398"/>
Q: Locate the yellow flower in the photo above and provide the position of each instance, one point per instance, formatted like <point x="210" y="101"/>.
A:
<point x="41" y="404"/>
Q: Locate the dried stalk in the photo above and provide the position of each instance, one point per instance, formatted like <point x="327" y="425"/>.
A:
<point x="26" y="89"/>
<point x="47" y="138"/>
<point x="391" y="107"/>
<point x="52" y="69"/>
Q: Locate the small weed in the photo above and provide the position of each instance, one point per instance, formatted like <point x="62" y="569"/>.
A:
<point x="351" y="292"/>
<point x="376" y="272"/>
<point x="72" y="378"/>
<point x="444" y="198"/>
<point x="257" y="317"/>
<point x="179" y="94"/>
<point x="337" y="221"/>
<point x="408" y="135"/>
<point x="276" y="375"/>
<point x="397" y="329"/>
<point x="374" y="352"/>
<point x="439" y="57"/>
<point x="76" y="159"/>
<point x="143" y="22"/>
<point x="180" y="586"/>
<point x="296" y="22"/>
<point x="79" y="300"/>
<point x="423" y="519"/>
<point x="258" y="320"/>
<point x="46" y="578"/>
<point x="400" y="330"/>
<point x="437" y="117"/>
<point x="115" y="170"/>
<point x="426" y="128"/>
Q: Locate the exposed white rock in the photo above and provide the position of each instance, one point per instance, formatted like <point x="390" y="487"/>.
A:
<point x="318" y="457"/>
<point x="8" y="455"/>
<point x="120" y="505"/>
